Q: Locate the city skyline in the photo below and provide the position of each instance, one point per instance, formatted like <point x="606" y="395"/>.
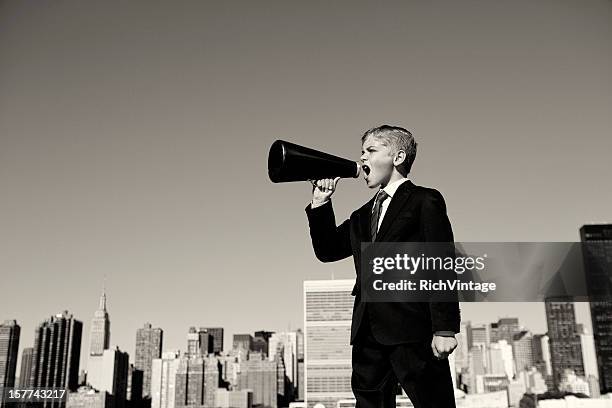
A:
<point x="505" y="350"/>
<point x="582" y="317"/>
<point x="181" y="344"/>
<point x="183" y="348"/>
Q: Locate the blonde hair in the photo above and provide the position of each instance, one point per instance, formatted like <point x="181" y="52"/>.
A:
<point x="398" y="139"/>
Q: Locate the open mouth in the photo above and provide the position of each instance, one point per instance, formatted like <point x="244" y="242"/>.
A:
<point x="366" y="169"/>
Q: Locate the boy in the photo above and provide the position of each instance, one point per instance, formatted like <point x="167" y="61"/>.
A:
<point x="405" y="340"/>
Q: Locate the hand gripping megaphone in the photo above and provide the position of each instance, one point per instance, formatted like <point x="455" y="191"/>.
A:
<point x="291" y="162"/>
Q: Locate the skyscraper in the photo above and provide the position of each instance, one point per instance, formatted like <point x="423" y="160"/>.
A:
<point x="299" y="382"/>
<point x="206" y="342"/>
<point x="522" y="348"/>
<point x="480" y="335"/>
<point x="283" y="350"/>
<point x="260" y="375"/>
<point x="149" y="342"/>
<point x="109" y="372"/>
<point x="87" y="397"/>
<point x="564" y="341"/>
<point x="476" y="366"/>
<point x="597" y="253"/>
<point x="244" y="341"/>
<point x="217" y="338"/>
<point x="56" y="354"/>
<point x="463" y="347"/>
<point x="481" y="339"/>
<point x="193" y="343"/>
<point x="26" y="367"/>
<point x="504" y="329"/>
<point x="285" y="344"/>
<point x="541" y="358"/>
<point x="100" y="329"/>
<point x="260" y="342"/>
<point x="9" y="345"/>
<point x="199" y="342"/>
<point x="589" y="357"/>
<point x="501" y="359"/>
<point x="328" y="306"/>
<point x="197" y="380"/>
<point x="134" y="386"/>
<point x="163" y="380"/>
<point x="260" y="345"/>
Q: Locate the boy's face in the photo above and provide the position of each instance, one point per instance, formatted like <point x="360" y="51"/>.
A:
<point x="377" y="161"/>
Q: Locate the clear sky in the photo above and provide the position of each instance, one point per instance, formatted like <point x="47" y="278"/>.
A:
<point x="134" y="139"/>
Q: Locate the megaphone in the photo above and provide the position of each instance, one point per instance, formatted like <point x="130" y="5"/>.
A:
<point x="292" y="162"/>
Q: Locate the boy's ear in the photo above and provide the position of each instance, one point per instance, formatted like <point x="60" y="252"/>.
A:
<point x="400" y="157"/>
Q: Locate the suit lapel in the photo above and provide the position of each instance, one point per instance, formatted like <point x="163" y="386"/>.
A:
<point x="395" y="206"/>
<point x="365" y="214"/>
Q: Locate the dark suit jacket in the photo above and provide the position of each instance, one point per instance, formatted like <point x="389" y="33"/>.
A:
<point x="415" y="214"/>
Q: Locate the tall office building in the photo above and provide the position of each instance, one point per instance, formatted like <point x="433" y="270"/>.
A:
<point x="199" y="342"/>
<point x="328" y="306"/>
<point x="163" y="380"/>
<point x="229" y="368"/>
<point x="197" y="381"/>
<point x="134" y="385"/>
<point x="26" y="367"/>
<point x="109" y="372"/>
<point x="217" y="338"/>
<point x="243" y="341"/>
<point x="597" y="253"/>
<point x="541" y="358"/>
<point x="149" y="342"/>
<point x="589" y="356"/>
<point x="299" y="382"/>
<point x="9" y="345"/>
<point x="480" y="335"/>
<point x="282" y="383"/>
<point x="481" y="339"/>
<point x="260" y="376"/>
<point x="206" y="342"/>
<point x="522" y="348"/>
<point x="260" y="345"/>
<point x="100" y="329"/>
<point x="285" y="345"/>
<point x="56" y="354"/>
<point x="193" y="343"/>
<point x="87" y="397"/>
<point x="502" y="359"/>
<point x="504" y="329"/>
<point x="564" y="341"/>
<point x="476" y="367"/>
<point x="260" y="341"/>
<point x="463" y="347"/>
<point x="541" y="354"/>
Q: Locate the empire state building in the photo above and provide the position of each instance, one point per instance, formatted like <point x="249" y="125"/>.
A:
<point x="100" y="329"/>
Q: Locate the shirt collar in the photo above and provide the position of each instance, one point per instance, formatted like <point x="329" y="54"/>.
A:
<point x="391" y="188"/>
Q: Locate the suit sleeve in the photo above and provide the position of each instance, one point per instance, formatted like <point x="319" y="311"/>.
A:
<point x="436" y="227"/>
<point x="330" y="243"/>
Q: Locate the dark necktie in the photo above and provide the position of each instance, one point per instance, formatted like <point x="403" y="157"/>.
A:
<point x="382" y="196"/>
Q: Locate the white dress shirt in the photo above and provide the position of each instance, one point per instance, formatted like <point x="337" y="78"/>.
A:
<point x="390" y="189"/>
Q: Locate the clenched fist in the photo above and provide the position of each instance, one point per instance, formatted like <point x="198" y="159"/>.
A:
<point x="322" y="190"/>
<point x="443" y="346"/>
